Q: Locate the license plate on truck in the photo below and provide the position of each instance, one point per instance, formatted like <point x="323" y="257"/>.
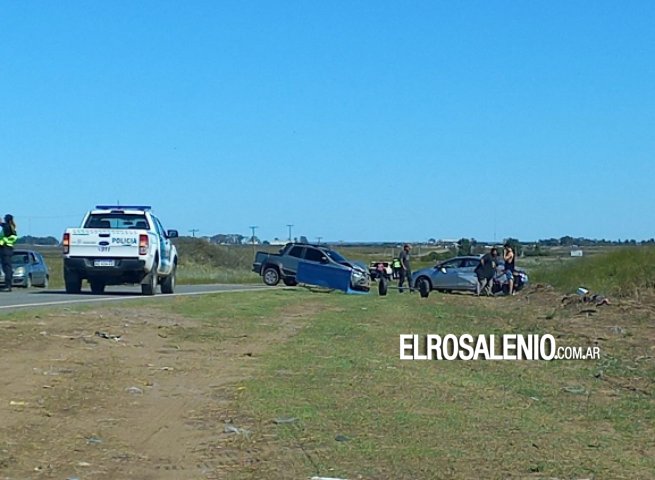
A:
<point x="104" y="263"/>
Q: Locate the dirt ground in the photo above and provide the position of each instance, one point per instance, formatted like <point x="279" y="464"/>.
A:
<point x="75" y="404"/>
<point x="118" y="392"/>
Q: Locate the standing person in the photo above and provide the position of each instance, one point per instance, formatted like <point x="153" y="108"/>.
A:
<point x="395" y="267"/>
<point x="485" y="271"/>
<point x="405" y="268"/>
<point x="7" y="239"/>
<point x="509" y="257"/>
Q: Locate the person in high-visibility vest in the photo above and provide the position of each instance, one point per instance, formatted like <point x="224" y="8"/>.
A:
<point x="8" y="238"/>
<point x="395" y="267"/>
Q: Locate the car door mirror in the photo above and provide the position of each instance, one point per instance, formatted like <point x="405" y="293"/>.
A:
<point x="324" y="260"/>
<point x="443" y="270"/>
<point x="172" y="234"/>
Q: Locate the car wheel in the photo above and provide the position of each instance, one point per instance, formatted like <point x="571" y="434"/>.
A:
<point x="168" y="285"/>
<point x="423" y="287"/>
<point x="73" y="282"/>
<point x="46" y="282"/>
<point x="97" y="287"/>
<point x="28" y="281"/>
<point x="271" y="276"/>
<point x="383" y="286"/>
<point x="150" y="287"/>
<point x="290" y="282"/>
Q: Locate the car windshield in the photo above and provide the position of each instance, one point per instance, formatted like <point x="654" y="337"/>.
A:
<point x="335" y="256"/>
<point x="20" y="259"/>
<point x="116" y="220"/>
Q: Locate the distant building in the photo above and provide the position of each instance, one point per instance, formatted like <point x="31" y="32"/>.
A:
<point x="576" y="251"/>
<point x="277" y="241"/>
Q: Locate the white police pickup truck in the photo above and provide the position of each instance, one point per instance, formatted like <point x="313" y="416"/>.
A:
<point x="120" y="245"/>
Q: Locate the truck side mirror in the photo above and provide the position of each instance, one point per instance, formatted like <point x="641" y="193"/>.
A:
<point x="172" y="234"/>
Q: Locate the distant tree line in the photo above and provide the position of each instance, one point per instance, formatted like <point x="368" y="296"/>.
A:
<point x="470" y="246"/>
<point x="464" y="246"/>
<point x="568" y="241"/>
<point x="238" y="239"/>
<point x="30" y="240"/>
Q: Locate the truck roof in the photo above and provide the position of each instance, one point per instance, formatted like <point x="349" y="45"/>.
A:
<point x="121" y="209"/>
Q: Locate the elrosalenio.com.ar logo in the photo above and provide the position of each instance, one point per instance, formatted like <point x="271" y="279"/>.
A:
<point x="490" y="347"/>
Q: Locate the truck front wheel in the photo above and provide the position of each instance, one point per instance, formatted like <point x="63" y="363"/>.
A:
<point x="271" y="276"/>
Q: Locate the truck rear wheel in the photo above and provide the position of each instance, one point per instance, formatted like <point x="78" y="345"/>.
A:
<point x="168" y="284"/>
<point x="150" y="287"/>
<point x="97" y="287"/>
<point x="73" y="282"/>
<point x="271" y="276"/>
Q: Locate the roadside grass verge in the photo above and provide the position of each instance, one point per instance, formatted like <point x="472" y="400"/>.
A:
<point x="194" y="273"/>
<point x="625" y="272"/>
<point x="332" y="361"/>
<point x="341" y="375"/>
<point x="236" y="315"/>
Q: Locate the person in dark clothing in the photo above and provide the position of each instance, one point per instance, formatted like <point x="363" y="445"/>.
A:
<point x="405" y="269"/>
<point x="485" y="272"/>
<point x="8" y="237"/>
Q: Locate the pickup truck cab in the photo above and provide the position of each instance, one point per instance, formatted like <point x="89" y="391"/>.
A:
<point x="118" y="245"/>
<point x="274" y="267"/>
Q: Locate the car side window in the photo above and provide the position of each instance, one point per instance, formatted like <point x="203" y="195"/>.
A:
<point x="313" y="255"/>
<point x="33" y="259"/>
<point x="296" y="252"/>
<point x="470" y="263"/>
<point x="451" y="264"/>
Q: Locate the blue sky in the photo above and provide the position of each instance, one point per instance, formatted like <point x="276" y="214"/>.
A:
<point x="352" y="120"/>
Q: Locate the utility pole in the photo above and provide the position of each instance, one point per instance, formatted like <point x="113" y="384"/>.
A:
<point x="289" y="225"/>
<point x="193" y="232"/>
<point x="252" y="239"/>
<point x="319" y="240"/>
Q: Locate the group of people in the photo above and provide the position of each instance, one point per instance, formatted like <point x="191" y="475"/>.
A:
<point x="486" y="270"/>
<point x="8" y="237"/>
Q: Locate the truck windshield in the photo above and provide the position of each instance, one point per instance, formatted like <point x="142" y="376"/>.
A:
<point x="116" y="220"/>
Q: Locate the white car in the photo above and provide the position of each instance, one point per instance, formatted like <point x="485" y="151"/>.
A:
<point x="118" y="245"/>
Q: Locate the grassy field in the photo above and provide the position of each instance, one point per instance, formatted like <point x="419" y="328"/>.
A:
<point x="622" y="272"/>
<point x="327" y="366"/>
<point x="342" y="379"/>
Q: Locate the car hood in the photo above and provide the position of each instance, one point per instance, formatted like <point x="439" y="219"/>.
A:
<point x="424" y="271"/>
<point x="355" y="265"/>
